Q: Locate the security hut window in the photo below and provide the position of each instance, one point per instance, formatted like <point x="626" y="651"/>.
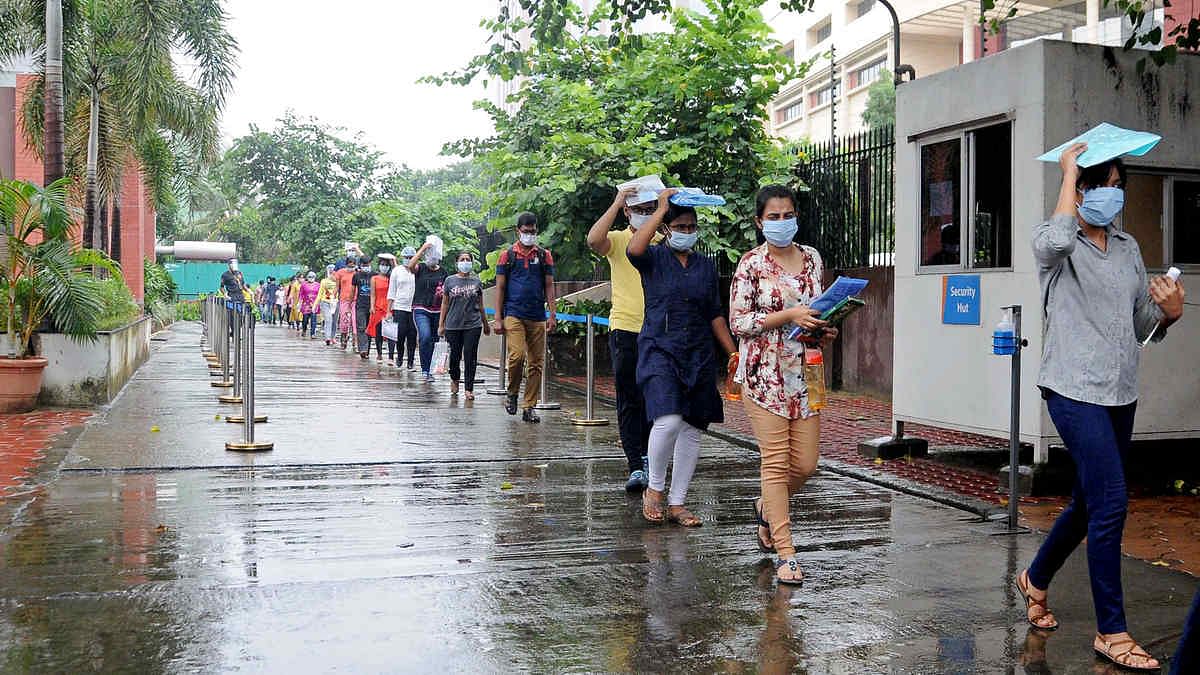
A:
<point x="1161" y="210"/>
<point x="966" y="200"/>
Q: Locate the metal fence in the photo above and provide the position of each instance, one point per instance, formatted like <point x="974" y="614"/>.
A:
<point x="848" y="211"/>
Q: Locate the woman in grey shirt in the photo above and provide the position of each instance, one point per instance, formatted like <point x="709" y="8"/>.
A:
<point x="1098" y="307"/>
<point x="462" y="321"/>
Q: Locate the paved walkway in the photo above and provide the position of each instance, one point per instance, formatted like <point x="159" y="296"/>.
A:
<point x="395" y="528"/>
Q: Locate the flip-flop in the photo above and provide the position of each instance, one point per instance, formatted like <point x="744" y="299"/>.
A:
<point x="762" y="546"/>
<point x="1118" y="659"/>
<point x="652" y="506"/>
<point x="793" y="567"/>
<point x="684" y="518"/>
<point x="1023" y="589"/>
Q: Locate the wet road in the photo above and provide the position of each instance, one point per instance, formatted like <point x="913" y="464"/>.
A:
<point x="395" y="529"/>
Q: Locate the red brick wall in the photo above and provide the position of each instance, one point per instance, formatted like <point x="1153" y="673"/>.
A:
<point x="26" y="163"/>
<point x="1179" y="13"/>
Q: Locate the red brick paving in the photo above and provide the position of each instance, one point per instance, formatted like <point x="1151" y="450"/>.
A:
<point x="24" y="439"/>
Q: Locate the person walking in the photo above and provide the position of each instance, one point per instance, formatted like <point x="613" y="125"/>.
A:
<point x="625" y="322"/>
<point x="293" y="303"/>
<point x="771" y="292"/>
<point x="309" y="290"/>
<point x="327" y="300"/>
<point x="379" y="307"/>
<point x="1098" y="308"/>
<point x="676" y="368"/>
<point x="524" y="292"/>
<point x="400" y="296"/>
<point x="428" y="278"/>
<point x="281" y="301"/>
<point x="267" y="303"/>
<point x="347" y="294"/>
<point x="362" y="306"/>
<point x="462" y="321"/>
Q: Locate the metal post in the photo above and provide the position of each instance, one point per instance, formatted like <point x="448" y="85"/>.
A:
<point x="547" y="405"/>
<point x="589" y="419"/>
<point x="222" y="337"/>
<point x="206" y="315"/>
<point x="502" y="389"/>
<point x="1014" y="425"/>
<point x="248" y="417"/>
<point x="236" y="396"/>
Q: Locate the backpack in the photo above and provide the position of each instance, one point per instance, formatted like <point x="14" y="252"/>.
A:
<point x="512" y="255"/>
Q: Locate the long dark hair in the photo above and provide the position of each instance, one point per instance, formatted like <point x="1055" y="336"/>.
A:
<point x="1097" y="175"/>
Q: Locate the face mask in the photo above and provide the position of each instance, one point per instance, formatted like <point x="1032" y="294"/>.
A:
<point x="405" y="261"/>
<point x="1101" y="205"/>
<point x="465" y="266"/>
<point x="637" y="220"/>
<point x="233" y="266"/>
<point x="528" y="239"/>
<point x="779" y="232"/>
<point x="682" y="242"/>
<point x="384" y="269"/>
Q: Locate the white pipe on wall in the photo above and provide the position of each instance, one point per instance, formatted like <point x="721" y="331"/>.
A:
<point x="199" y="250"/>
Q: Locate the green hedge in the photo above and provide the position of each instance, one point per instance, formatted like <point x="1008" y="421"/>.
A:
<point x="118" y="306"/>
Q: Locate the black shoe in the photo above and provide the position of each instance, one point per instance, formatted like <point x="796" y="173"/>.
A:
<point x="510" y="404"/>
<point x="530" y="416"/>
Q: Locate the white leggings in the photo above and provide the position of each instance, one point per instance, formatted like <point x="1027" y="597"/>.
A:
<point x="669" y="436"/>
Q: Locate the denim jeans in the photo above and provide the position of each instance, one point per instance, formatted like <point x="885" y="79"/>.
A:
<point x="1187" y="654"/>
<point x="362" y="316"/>
<point x="427" y="323"/>
<point x="1097" y="438"/>
<point x="329" y="314"/>
<point x="308" y="322"/>
<point x="406" y="334"/>
<point x="631" y="410"/>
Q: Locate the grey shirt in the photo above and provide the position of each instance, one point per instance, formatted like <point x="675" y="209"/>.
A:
<point x="1097" y="309"/>
<point x="463" y="294"/>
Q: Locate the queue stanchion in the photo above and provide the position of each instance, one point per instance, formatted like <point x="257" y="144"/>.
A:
<point x="547" y="405"/>
<point x="206" y="314"/>
<point x="235" y="397"/>
<point x="222" y="337"/>
<point x="248" y="417"/>
<point x="589" y="419"/>
<point x="1008" y="341"/>
<point x="502" y="389"/>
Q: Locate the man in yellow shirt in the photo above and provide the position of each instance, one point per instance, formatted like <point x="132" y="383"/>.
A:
<point x="625" y="322"/>
<point x="327" y="301"/>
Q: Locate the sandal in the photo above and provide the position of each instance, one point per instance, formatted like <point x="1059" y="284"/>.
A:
<point x="652" y="506"/>
<point x="765" y="545"/>
<point x="681" y="516"/>
<point x="470" y="396"/>
<point x="1022" y="584"/>
<point x="1122" y="658"/>
<point x="795" y="576"/>
<point x="453" y="386"/>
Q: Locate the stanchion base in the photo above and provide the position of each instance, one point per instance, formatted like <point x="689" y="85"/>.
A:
<point x="497" y="392"/>
<point x="238" y="419"/>
<point x="223" y="383"/>
<point x="589" y="423"/>
<point x="229" y="399"/>
<point x="548" y="406"/>
<point x="257" y="446"/>
<point x="209" y="355"/>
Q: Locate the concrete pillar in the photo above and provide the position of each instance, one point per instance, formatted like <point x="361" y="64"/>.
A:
<point x="1093" y="21"/>
<point x="970" y="29"/>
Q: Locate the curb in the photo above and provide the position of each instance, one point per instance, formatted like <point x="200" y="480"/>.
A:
<point x="945" y="497"/>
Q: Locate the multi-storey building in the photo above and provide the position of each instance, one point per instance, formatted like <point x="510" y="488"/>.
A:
<point x="850" y="44"/>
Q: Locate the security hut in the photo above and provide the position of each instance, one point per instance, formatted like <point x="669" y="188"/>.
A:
<point x="968" y="192"/>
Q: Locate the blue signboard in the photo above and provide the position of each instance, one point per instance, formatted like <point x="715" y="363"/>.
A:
<point x="960" y="299"/>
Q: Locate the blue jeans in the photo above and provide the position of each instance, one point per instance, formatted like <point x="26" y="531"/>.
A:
<point x="427" y="323"/>
<point x="1098" y="438"/>
<point x="1187" y="654"/>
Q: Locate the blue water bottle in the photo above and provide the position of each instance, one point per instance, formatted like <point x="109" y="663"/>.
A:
<point x="1004" y="338"/>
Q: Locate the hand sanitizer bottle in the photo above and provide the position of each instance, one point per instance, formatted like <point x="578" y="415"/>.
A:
<point x="1004" y="338"/>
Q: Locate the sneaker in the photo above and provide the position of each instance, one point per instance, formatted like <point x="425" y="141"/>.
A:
<point x="430" y="378"/>
<point x="637" y="482"/>
<point x="412" y="368"/>
<point x="510" y="404"/>
<point x="530" y="416"/>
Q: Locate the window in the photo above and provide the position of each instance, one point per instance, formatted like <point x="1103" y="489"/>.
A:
<point x="870" y="72"/>
<point x="824" y="32"/>
<point x="791" y="112"/>
<point x="1184" y="216"/>
<point x="789" y="52"/>
<point x="865" y="6"/>
<point x="1161" y="210"/>
<point x="820" y="32"/>
<point x="966" y="199"/>
<point x="824" y="96"/>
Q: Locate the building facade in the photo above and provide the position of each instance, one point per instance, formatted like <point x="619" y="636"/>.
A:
<point x="850" y="45"/>
<point x="19" y="161"/>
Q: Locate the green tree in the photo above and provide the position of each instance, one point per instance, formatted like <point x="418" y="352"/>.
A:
<point x="689" y="105"/>
<point x="446" y="202"/>
<point x="881" y="104"/>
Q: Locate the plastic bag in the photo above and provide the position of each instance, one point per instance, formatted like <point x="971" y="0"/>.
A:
<point x="441" y="357"/>
<point x="696" y="197"/>
<point x="436" y="245"/>
<point x="389" y="328"/>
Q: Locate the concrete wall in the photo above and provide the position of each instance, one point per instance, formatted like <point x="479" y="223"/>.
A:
<point x="92" y="373"/>
<point x="946" y="375"/>
<point x="864" y="350"/>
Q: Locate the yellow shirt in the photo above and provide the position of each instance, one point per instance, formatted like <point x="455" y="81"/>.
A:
<point x="328" y="291"/>
<point x="628" y="302"/>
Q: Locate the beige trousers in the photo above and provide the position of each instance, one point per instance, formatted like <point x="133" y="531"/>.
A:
<point x="789" y="450"/>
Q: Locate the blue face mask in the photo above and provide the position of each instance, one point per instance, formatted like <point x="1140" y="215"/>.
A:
<point x="1101" y="205"/>
<point x="465" y="266"/>
<point x="779" y="232"/>
<point x="682" y="242"/>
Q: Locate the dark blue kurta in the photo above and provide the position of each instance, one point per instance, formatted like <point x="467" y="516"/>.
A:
<point x="676" y="368"/>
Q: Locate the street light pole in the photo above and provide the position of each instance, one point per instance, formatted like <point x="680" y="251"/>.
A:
<point x="898" y="69"/>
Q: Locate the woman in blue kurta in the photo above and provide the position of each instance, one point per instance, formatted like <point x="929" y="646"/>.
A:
<point x="677" y="370"/>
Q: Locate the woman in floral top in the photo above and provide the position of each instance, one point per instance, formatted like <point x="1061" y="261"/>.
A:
<point x="771" y="291"/>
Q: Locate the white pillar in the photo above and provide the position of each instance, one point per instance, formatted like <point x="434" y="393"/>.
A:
<point x="1093" y="21"/>
<point x="970" y="28"/>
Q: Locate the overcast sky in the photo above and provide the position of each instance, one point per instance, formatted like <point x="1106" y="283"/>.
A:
<point x="355" y="63"/>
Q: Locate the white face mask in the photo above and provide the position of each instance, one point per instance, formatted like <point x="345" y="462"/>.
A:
<point x="528" y="239"/>
<point x="637" y="220"/>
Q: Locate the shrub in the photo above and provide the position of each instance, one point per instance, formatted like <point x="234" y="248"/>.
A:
<point x="186" y="310"/>
<point x="159" y="286"/>
<point x="117" y="306"/>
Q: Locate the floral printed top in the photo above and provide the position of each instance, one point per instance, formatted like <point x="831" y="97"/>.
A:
<point x="771" y="367"/>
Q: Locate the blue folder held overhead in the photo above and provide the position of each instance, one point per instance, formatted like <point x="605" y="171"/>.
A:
<point x="1107" y="141"/>
<point x="696" y="197"/>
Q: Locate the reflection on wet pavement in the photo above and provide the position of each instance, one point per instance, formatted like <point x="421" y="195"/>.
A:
<point x="381" y="535"/>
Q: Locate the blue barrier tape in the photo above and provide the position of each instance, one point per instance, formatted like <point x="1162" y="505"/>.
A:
<point x="569" y="318"/>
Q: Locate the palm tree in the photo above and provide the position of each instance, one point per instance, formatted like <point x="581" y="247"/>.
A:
<point x="53" y="166"/>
